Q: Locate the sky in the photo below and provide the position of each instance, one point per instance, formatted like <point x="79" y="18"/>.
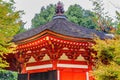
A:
<point x="31" y="7"/>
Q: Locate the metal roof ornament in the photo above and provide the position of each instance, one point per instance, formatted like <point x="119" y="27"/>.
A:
<point x="59" y="8"/>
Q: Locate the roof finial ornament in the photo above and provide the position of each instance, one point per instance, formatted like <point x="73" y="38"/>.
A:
<point x="59" y="8"/>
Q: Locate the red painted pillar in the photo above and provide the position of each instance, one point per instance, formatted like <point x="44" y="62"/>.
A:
<point x="54" y="63"/>
<point x="23" y="68"/>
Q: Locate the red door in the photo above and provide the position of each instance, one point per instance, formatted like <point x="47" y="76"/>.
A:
<point x="70" y="75"/>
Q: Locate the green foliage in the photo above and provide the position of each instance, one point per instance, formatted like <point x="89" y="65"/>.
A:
<point x="75" y="14"/>
<point x="8" y="75"/>
<point x="22" y="29"/>
<point x="107" y="72"/>
<point x="118" y="15"/>
<point x="118" y="22"/>
<point x="80" y="16"/>
<point x="9" y="26"/>
<point x="108" y="59"/>
<point x="103" y="22"/>
<point x="98" y="6"/>
<point x="44" y="16"/>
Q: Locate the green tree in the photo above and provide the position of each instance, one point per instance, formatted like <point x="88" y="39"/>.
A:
<point x="107" y="59"/>
<point x="102" y="20"/>
<point x="118" y="22"/>
<point x="8" y="75"/>
<point x="80" y="16"/>
<point x="75" y="14"/>
<point x="21" y="29"/>
<point x="9" y="26"/>
<point x="44" y="16"/>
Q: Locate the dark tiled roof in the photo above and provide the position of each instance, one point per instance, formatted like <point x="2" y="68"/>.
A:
<point x="61" y="25"/>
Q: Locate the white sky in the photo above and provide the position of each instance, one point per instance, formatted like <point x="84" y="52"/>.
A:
<point x="31" y="7"/>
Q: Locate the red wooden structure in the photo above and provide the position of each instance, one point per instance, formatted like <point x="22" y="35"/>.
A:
<point x="59" y="46"/>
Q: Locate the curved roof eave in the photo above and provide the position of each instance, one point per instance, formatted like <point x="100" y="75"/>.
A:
<point x="64" y="27"/>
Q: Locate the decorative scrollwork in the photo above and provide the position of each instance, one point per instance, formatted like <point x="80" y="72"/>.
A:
<point x="38" y="56"/>
<point x="72" y="55"/>
<point x="22" y="57"/>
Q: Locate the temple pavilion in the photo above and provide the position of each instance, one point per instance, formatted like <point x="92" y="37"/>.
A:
<point x="58" y="50"/>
